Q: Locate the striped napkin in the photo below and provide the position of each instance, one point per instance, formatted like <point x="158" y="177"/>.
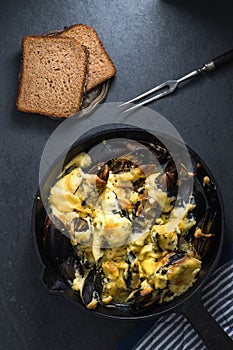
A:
<point x="174" y="332"/>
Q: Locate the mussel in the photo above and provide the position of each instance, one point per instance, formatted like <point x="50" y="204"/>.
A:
<point x="160" y="151"/>
<point x="201" y="243"/>
<point x="92" y="288"/>
<point x="155" y="237"/>
<point x="69" y="267"/>
<point x="142" y="297"/>
<point x="173" y="259"/>
<point x="132" y="277"/>
<point x="102" y="176"/>
<point x="82" y="229"/>
<point x="56" y="240"/>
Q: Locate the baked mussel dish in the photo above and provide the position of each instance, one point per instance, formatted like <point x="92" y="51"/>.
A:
<point x="119" y="232"/>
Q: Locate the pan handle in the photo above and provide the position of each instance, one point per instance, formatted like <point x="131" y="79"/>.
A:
<point x="207" y="328"/>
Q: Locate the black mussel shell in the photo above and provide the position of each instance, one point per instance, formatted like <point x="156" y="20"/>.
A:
<point x="139" y="299"/>
<point x="56" y="240"/>
<point x="92" y="286"/>
<point x="68" y="267"/>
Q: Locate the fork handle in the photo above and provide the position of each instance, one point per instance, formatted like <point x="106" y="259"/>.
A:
<point x="219" y="61"/>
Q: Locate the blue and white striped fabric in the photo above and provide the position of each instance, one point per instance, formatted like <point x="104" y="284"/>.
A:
<point x="174" y="332"/>
<point x="217" y="297"/>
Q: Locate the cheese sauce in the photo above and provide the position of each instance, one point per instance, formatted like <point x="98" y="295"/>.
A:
<point x="123" y="225"/>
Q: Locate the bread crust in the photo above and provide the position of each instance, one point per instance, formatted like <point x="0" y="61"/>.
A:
<point x="104" y="75"/>
<point x="27" y="107"/>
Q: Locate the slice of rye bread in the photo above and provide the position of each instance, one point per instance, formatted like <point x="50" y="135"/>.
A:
<point x="53" y="76"/>
<point x="100" y="66"/>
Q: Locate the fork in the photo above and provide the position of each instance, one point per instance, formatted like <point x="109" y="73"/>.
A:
<point x="170" y="86"/>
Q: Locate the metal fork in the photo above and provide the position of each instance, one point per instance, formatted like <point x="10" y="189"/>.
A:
<point x="170" y="86"/>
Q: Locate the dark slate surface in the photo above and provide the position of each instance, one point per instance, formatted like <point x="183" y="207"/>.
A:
<point x="149" y="41"/>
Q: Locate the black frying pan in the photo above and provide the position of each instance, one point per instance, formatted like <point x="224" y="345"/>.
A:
<point x="189" y="303"/>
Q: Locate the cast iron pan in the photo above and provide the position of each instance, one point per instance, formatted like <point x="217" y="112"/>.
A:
<point x="208" y="199"/>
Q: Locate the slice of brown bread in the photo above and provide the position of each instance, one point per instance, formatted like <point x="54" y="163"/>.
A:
<point x="53" y="76"/>
<point x="100" y="66"/>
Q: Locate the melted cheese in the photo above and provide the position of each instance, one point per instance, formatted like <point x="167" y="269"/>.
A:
<point x="130" y="257"/>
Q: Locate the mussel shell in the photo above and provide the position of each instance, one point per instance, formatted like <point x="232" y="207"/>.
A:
<point x="68" y="267"/>
<point x="155" y="237"/>
<point x="139" y="183"/>
<point x="200" y="205"/>
<point x="80" y="224"/>
<point x="103" y="172"/>
<point x="119" y="165"/>
<point x="56" y="241"/>
<point x="88" y="287"/>
<point x="53" y="279"/>
<point x="160" y="151"/>
<point x="92" y="286"/>
<point x="174" y="258"/>
<point x="138" y="300"/>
